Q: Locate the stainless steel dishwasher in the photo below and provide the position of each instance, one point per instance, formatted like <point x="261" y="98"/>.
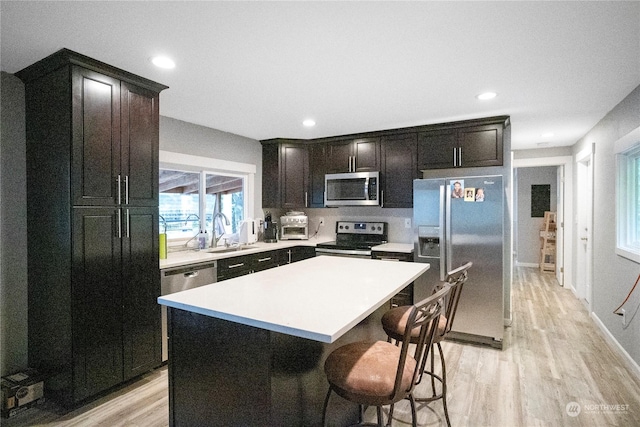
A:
<point x="181" y="278"/>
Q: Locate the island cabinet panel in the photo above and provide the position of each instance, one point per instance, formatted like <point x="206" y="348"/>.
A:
<point x="92" y="207"/>
<point x="399" y="169"/>
<point x="223" y="373"/>
<point x="461" y="147"/>
<point x="353" y="155"/>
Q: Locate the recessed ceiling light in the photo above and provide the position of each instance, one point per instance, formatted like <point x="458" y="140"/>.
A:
<point x="487" y="95"/>
<point x="309" y="123"/>
<point x="163" y="62"/>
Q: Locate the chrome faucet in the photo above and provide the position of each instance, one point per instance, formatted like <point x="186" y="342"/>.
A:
<point x="214" y="239"/>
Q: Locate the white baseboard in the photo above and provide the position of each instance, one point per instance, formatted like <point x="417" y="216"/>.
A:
<point x="631" y="364"/>
<point x="527" y="264"/>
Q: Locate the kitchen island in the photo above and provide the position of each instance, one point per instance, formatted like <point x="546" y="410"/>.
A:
<point x="250" y="350"/>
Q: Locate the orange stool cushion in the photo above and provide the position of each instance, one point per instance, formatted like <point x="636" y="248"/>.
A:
<point x="365" y="372"/>
<point x="394" y="322"/>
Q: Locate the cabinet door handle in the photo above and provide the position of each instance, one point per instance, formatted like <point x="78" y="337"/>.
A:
<point x="306" y="199"/>
<point x="128" y="228"/>
<point x="459" y="156"/>
<point x="126" y="189"/>
<point x="382" y="199"/>
<point x="119" y="184"/>
<point x="119" y="224"/>
<point x="455" y="157"/>
<point x="264" y="259"/>
<point x="236" y="265"/>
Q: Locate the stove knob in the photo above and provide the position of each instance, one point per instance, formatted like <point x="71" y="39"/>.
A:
<point x="346" y="227"/>
<point x="379" y="228"/>
<point x="340" y="227"/>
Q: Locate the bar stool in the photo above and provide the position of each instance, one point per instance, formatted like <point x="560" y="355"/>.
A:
<point x="394" y="323"/>
<point x="380" y="373"/>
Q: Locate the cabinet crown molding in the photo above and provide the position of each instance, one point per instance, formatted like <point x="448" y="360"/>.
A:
<point x="65" y="57"/>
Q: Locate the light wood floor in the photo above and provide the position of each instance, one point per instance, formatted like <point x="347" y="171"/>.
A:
<point x="553" y="355"/>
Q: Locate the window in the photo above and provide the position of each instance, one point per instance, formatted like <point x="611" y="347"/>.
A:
<point x="628" y="196"/>
<point x="193" y="189"/>
<point x="179" y="203"/>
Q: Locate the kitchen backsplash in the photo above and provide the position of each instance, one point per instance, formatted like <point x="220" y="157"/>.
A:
<point x="396" y="219"/>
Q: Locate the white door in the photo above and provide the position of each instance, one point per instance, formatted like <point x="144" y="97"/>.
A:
<point x="560" y="226"/>
<point x="584" y="226"/>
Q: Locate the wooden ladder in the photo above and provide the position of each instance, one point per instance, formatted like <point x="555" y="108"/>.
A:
<point x="548" y="242"/>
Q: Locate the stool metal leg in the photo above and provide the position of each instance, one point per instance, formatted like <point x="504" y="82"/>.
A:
<point x="444" y="385"/>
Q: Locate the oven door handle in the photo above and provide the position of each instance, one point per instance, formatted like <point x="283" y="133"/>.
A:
<point x="344" y="251"/>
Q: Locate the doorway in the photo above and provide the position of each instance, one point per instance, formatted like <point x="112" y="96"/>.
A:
<point x="564" y="250"/>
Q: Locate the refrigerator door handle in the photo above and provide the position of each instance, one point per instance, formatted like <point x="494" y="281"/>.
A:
<point x="444" y="242"/>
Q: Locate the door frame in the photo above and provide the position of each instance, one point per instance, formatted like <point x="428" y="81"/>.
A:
<point x="584" y="165"/>
<point x="563" y="272"/>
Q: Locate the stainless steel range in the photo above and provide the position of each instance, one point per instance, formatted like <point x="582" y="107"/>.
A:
<point x="355" y="239"/>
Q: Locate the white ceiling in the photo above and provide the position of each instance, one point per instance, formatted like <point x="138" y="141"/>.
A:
<point x="258" y="69"/>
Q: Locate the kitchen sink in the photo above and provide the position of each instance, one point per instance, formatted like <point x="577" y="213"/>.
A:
<point x="226" y="250"/>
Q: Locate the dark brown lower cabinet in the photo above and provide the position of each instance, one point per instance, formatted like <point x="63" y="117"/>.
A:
<point x="237" y="266"/>
<point x="99" y="325"/>
<point x="223" y="373"/>
<point x="140" y="289"/>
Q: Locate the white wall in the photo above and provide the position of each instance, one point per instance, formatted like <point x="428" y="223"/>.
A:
<point x="613" y="275"/>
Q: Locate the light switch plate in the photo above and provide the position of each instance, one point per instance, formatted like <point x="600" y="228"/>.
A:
<point x="407" y="223"/>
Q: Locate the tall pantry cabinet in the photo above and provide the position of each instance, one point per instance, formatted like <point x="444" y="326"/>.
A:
<point x="92" y="224"/>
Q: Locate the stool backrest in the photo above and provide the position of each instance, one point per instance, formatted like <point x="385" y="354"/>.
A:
<point x="455" y="280"/>
<point x="425" y="316"/>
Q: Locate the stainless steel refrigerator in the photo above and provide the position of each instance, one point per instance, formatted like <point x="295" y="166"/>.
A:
<point x="457" y="220"/>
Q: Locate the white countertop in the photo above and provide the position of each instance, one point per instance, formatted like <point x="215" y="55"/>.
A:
<point x="319" y="298"/>
<point x="176" y="259"/>
<point x="394" y="247"/>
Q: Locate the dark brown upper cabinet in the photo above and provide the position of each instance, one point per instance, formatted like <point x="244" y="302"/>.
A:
<point x="293" y="170"/>
<point x="115" y="134"/>
<point x="353" y="155"/>
<point x="463" y="147"/>
<point x="399" y="169"/>
<point x="293" y="174"/>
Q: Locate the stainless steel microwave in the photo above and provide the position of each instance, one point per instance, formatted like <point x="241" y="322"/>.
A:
<point x="352" y="189"/>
